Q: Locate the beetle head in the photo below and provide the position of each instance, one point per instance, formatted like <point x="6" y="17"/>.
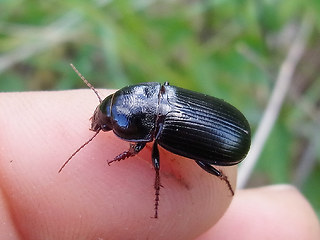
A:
<point x="101" y="119"/>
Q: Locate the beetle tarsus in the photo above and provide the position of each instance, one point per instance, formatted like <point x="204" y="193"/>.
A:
<point x="133" y="150"/>
<point x="210" y="169"/>
<point x="157" y="193"/>
<point x="225" y="179"/>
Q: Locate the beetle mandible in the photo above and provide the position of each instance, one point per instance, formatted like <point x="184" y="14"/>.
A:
<point x="197" y="126"/>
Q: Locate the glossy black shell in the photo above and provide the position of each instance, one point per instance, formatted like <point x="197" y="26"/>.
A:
<point x="204" y="128"/>
<point x="183" y="122"/>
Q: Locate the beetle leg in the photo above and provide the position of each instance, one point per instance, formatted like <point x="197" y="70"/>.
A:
<point x="216" y="172"/>
<point x="156" y="165"/>
<point x="133" y="150"/>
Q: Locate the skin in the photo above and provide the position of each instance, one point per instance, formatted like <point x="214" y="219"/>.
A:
<point x="91" y="200"/>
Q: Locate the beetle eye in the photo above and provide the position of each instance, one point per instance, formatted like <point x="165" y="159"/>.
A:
<point x="105" y="128"/>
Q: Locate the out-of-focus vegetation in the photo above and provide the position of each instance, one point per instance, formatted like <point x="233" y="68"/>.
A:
<point x="229" y="49"/>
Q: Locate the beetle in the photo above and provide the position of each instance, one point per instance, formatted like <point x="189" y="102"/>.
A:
<point x="203" y="128"/>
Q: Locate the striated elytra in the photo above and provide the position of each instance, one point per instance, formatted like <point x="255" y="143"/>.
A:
<point x="203" y="128"/>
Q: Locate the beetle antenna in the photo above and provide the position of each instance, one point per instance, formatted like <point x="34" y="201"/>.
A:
<point x="86" y="81"/>
<point x="82" y="146"/>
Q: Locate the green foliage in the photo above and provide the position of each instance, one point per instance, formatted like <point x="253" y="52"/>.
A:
<point x="229" y="49"/>
<point x="311" y="189"/>
<point x="276" y="156"/>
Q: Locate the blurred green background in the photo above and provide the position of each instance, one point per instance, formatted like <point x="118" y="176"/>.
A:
<point x="228" y="49"/>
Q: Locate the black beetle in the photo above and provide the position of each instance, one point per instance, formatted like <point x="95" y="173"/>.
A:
<point x="197" y="126"/>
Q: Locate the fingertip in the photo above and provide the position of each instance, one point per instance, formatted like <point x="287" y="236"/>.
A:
<point x="88" y="197"/>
